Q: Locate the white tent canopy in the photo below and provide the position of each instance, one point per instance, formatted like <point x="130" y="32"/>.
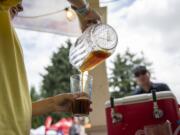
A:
<point x="57" y="22"/>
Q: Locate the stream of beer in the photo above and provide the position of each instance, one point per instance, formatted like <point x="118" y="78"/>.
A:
<point x="93" y="59"/>
<point x="82" y="79"/>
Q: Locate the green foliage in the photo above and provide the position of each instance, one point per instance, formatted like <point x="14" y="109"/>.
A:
<point x="34" y="95"/>
<point x="36" y="121"/>
<point x="56" y="80"/>
<point x="122" y="79"/>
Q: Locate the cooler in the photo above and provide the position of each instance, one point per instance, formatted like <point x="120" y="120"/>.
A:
<point x="137" y="112"/>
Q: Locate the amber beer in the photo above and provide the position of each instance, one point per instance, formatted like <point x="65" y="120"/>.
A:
<point x="81" y="107"/>
<point x="94" y="58"/>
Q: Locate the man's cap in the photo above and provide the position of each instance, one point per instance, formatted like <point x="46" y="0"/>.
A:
<point x="139" y="69"/>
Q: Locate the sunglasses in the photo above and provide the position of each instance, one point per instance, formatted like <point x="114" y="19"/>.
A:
<point x="139" y="73"/>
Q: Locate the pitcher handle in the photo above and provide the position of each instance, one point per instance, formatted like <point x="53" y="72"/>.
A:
<point x="140" y="132"/>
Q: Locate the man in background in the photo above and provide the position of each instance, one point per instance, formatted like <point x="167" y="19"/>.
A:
<point x="145" y="85"/>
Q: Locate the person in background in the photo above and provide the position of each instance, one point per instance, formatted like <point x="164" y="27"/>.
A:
<point x="75" y="128"/>
<point x="16" y="108"/>
<point x="145" y="85"/>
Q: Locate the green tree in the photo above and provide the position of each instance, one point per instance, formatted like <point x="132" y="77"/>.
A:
<point x="57" y="78"/>
<point x="121" y="79"/>
<point x="38" y="120"/>
<point x="34" y="95"/>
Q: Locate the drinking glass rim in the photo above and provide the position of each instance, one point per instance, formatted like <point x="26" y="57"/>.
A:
<point x="79" y="75"/>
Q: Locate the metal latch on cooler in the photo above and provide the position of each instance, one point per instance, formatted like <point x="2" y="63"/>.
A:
<point x="116" y="117"/>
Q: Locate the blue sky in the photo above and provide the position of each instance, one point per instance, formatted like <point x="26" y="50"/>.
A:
<point x="151" y="26"/>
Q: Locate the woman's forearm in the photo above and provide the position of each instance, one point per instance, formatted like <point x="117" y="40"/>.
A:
<point x="43" y="107"/>
<point x="58" y="103"/>
<point x="77" y="3"/>
<point x="86" y="15"/>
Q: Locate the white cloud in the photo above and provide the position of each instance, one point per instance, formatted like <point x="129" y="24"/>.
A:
<point x="152" y="26"/>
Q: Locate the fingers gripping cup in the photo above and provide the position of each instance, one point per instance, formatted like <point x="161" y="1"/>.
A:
<point x="81" y="83"/>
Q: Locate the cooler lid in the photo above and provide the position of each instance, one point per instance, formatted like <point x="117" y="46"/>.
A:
<point x="141" y="98"/>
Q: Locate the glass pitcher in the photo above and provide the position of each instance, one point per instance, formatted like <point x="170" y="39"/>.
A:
<point x="96" y="44"/>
